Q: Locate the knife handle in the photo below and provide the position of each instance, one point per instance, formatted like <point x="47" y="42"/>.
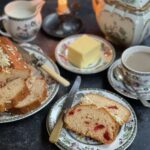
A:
<point x="55" y="75"/>
<point x="57" y="129"/>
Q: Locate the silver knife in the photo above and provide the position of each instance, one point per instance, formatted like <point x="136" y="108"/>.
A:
<point x="32" y="59"/>
<point x="67" y="104"/>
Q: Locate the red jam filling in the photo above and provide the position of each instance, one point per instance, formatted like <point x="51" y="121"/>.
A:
<point x="71" y="112"/>
<point x="106" y="136"/>
<point x="98" y="127"/>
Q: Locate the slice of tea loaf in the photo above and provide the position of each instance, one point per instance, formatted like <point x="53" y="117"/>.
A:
<point x="120" y="113"/>
<point x="38" y="93"/>
<point x="13" y="92"/>
<point x="88" y="120"/>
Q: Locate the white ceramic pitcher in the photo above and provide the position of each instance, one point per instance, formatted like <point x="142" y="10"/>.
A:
<point x="22" y="20"/>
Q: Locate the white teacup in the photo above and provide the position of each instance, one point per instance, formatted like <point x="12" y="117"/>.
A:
<point x="22" y="20"/>
<point x="135" y="62"/>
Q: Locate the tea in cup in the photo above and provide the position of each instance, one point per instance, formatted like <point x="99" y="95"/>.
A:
<point x="135" y="65"/>
<point x="22" y="20"/>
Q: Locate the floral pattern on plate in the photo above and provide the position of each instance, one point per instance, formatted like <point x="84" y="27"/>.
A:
<point x="52" y="87"/>
<point x="71" y="141"/>
<point x="108" y="56"/>
<point x="118" y="85"/>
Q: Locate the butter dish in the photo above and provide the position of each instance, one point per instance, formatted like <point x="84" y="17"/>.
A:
<point x="107" y="55"/>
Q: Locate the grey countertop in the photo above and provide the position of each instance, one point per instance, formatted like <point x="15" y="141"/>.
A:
<point x="30" y="133"/>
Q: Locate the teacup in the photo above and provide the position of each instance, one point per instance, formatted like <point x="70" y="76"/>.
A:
<point x="135" y="64"/>
<point x="22" y="20"/>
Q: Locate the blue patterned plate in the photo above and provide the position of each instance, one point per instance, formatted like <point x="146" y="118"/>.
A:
<point x="108" y="56"/>
<point x="69" y="140"/>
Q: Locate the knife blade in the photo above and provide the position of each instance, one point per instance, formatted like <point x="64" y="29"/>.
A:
<point x="67" y="104"/>
<point x="32" y="59"/>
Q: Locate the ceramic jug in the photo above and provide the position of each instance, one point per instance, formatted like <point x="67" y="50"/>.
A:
<point x="22" y="20"/>
<point x="123" y="22"/>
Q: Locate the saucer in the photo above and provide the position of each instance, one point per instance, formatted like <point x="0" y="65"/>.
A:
<point x="117" y="84"/>
<point x="108" y="56"/>
<point x="62" y="26"/>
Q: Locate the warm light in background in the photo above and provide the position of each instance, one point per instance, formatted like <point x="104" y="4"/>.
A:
<point x="98" y="6"/>
<point x="62" y="7"/>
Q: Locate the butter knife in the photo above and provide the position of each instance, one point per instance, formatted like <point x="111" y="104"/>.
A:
<point x="31" y="58"/>
<point x="67" y="104"/>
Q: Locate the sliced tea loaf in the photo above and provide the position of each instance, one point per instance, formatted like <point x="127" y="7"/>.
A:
<point x="120" y="113"/>
<point x="38" y="93"/>
<point x="88" y="120"/>
<point x="11" y="93"/>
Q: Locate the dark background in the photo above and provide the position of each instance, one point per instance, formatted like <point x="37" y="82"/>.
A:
<point x="30" y="133"/>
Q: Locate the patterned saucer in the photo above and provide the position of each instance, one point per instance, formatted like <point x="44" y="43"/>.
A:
<point x="71" y="141"/>
<point x="118" y="85"/>
<point x="108" y="56"/>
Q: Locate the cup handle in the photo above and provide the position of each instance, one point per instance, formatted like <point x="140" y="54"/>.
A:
<point x="2" y="32"/>
<point x="146" y="103"/>
<point x="143" y="100"/>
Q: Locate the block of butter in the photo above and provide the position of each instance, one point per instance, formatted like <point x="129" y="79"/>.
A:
<point x="84" y="51"/>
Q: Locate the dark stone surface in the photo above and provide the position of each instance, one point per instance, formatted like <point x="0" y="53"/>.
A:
<point x="30" y="133"/>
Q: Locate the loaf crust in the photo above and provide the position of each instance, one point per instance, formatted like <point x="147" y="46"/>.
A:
<point x="16" y="60"/>
<point x="13" y="66"/>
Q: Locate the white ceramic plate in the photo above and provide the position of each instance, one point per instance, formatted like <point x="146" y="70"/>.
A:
<point x="51" y="88"/>
<point x="118" y="85"/>
<point x="70" y="141"/>
<point x="108" y="56"/>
